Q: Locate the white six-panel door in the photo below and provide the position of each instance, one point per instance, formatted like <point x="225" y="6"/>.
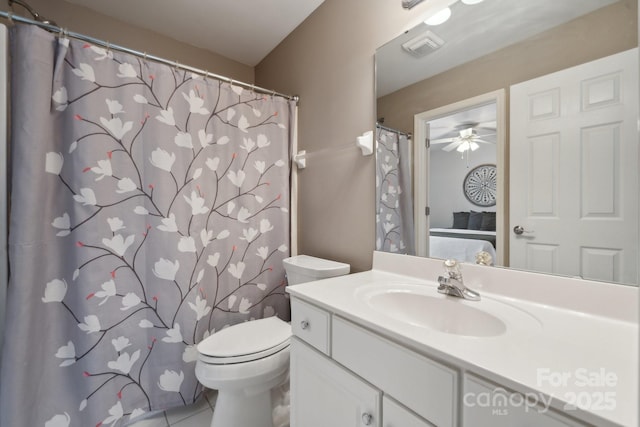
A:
<point x="574" y="171"/>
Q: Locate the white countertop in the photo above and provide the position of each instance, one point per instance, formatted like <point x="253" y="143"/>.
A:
<point x="576" y="338"/>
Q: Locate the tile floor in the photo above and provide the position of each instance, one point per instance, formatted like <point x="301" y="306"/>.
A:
<point x="197" y="415"/>
<point x="200" y="413"/>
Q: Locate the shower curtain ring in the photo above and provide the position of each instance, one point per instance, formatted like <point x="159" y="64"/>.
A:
<point x="144" y="56"/>
<point x="10" y="17"/>
<point x="108" y="46"/>
<point x="206" y="75"/>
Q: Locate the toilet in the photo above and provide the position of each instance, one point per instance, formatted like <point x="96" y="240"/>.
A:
<point x="245" y="361"/>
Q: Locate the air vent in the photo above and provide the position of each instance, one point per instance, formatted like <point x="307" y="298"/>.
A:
<point x="423" y="44"/>
<point x="408" y="4"/>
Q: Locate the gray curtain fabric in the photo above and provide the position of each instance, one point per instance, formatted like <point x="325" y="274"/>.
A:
<point x="394" y="201"/>
<point x="149" y="209"/>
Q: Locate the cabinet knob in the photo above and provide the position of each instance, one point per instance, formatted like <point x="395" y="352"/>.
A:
<point x="367" y="419"/>
<point x="304" y="324"/>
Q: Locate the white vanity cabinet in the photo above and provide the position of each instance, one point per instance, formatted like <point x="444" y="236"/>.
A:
<point x="385" y="344"/>
<point x="345" y="375"/>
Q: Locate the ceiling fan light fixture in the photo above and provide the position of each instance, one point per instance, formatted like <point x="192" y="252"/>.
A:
<point x="463" y="147"/>
<point x="472" y="1"/>
<point x="439" y="18"/>
<point x="467" y="146"/>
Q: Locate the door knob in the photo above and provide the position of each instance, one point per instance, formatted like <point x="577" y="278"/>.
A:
<point x="519" y="230"/>
<point x="367" y="419"/>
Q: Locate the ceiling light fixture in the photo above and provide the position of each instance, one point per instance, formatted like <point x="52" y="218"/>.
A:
<point x="472" y="1"/>
<point x="439" y="18"/>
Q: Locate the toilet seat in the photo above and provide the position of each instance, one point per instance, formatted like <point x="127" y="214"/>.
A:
<point x="245" y="342"/>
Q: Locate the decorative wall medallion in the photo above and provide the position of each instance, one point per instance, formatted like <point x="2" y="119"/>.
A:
<point x="479" y="185"/>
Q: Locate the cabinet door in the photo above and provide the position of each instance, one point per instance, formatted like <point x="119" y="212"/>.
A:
<point x="395" y="415"/>
<point x="324" y="394"/>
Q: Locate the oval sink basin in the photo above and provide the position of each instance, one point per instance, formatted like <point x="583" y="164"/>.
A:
<point x="423" y="306"/>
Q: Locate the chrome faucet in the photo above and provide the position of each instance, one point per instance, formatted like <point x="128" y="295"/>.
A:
<point x="452" y="283"/>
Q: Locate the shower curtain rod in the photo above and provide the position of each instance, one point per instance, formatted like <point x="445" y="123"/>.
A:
<point x="393" y="130"/>
<point x="64" y="32"/>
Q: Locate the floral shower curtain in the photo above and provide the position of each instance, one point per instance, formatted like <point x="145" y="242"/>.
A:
<point x="149" y="210"/>
<point x="394" y="203"/>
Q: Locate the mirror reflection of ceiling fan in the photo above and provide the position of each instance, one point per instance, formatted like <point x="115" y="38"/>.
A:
<point x="467" y="137"/>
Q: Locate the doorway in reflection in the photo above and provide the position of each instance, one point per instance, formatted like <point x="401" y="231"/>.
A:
<point x="462" y="179"/>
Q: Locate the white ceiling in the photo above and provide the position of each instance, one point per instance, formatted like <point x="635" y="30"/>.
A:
<point x="242" y="30"/>
<point x="482" y="119"/>
<point x="473" y="31"/>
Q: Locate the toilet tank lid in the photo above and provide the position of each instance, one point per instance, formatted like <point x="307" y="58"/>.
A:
<point x="246" y="338"/>
<point x="319" y="267"/>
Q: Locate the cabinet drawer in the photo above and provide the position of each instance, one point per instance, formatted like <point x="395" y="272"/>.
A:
<point x="311" y="324"/>
<point x="395" y="415"/>
<point x="426" y="387"/>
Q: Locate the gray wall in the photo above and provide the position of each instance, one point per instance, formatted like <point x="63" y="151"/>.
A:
<point x="446" y="174"/>
<point x="329" y="62"/>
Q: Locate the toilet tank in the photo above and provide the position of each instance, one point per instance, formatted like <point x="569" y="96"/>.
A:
<point x="305" y="268"/>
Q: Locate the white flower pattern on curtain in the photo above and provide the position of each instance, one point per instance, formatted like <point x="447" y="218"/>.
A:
<point x="394" y="205"/>
<point x="156" y="211"/>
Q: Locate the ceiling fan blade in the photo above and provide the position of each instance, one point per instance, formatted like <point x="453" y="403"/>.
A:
<point x="443" y="140"/>
<point x="443" y="133"/>
<point x="482" y="140"/>
<point x="487" y="125"/>
<point x="485" y="135"/>
<point x="451" y="146"/>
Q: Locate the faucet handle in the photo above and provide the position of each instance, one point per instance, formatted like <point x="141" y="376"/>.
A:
<point x="452" y="267"/>
<point x="450" y="263"/>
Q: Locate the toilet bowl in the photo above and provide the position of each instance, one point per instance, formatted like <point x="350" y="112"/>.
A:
<point x="245" y="361"/>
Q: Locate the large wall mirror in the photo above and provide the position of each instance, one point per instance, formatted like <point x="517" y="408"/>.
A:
<point x="510" y="129"/>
